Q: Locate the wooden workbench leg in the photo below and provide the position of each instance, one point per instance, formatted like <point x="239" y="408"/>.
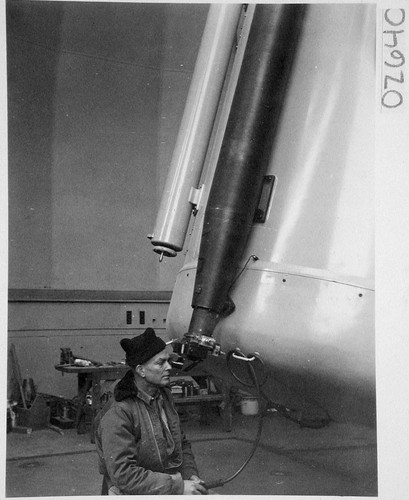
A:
<point x="96" y="402"/>
<point x="226" y="408"/>
<point x="84" y="383"/>
<point x="204" y="413"/>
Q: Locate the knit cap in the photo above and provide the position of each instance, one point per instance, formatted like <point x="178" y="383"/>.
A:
<point x="142" y="348"/>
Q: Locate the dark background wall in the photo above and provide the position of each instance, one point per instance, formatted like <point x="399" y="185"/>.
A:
<point x="96" y="92"/>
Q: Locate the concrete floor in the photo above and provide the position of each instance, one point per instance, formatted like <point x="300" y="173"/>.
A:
<point x="339" y="460"/>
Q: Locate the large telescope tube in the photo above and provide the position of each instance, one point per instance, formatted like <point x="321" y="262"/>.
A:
<point x="194" y="134"/>
<point x="250" y="131"/>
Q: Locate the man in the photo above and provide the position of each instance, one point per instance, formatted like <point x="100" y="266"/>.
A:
<point x="141" y="447"/>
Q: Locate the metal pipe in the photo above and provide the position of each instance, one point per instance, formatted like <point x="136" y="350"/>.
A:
<point x="196" y="127"/>
<point x="249" y="135"/>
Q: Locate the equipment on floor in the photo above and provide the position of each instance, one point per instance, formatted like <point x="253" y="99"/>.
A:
<point x="17" y="373"/>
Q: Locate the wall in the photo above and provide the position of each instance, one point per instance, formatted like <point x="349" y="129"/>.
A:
<point x="90" y="323"/>
<point x="96" y="92"/>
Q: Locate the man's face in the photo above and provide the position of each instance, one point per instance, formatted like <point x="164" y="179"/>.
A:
<point x="157" y="369"/>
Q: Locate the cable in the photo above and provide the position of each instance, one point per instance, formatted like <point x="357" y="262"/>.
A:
<point x="249" y="359"/>
<point x="283" y="410"/>
<point x="255" y="258"/>
<point x="239" y="355"/>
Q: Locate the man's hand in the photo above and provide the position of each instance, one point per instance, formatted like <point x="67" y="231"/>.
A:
<point x="194" y="486"/>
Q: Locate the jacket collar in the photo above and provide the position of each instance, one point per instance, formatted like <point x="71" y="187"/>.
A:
<point x="126" y="387"/>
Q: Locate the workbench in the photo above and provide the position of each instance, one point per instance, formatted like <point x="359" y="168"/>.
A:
<point x="90" y="378"/>
<point x="206" y="400"/>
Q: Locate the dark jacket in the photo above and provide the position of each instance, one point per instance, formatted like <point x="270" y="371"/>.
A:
<point x="132" y="449"/>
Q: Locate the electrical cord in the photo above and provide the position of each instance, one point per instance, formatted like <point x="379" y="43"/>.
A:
<point x="249" y="359"/>
<point x="236" y="353"/>
<point x="283" y="410"/>
<point x="255" y="258"/>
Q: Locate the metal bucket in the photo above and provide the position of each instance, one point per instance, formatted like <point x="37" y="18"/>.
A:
<point x="249" y="405"/>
